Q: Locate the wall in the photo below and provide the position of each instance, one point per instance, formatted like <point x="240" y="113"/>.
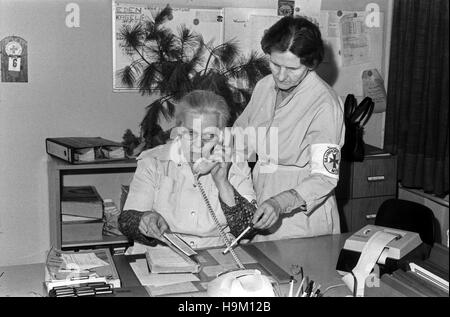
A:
<point x="69" y="93"/>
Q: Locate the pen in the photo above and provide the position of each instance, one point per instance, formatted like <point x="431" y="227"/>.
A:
<point x="314" y="290"/>
<point x="309" y="288"/>
<point x="300" y="288"/>
<point x="316" y="294"/>
<point x="235" y="241"/>
<point x="291" y="287"/>
<point x="301" y="274"/>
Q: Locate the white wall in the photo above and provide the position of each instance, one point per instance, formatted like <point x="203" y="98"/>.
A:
<point x="69" y="93"/>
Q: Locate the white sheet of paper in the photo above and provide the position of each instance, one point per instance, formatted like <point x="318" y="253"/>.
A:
<point x="140" y="268"/>
<point x="82" y="261"/>
<point x="172" y="289"/>
<point x="373" y="87"/>
<point x="237" y="26"/>
<point x="309" y="8"/>
<point x="354" y="40"/>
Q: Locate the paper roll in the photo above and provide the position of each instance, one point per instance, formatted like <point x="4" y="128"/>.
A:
<point x="369" y="256"/>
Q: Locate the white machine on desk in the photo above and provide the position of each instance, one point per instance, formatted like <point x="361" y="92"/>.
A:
<point x="374" y="246"/>
<point x="242" y="283"/>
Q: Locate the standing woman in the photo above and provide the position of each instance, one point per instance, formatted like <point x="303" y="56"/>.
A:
<point x="296" y="199"/>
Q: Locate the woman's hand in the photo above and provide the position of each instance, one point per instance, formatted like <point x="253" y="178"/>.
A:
<point x="203" y="166"/>
<point x="266" y="215"/>
<point x="153" y="225"/>
<point x="219" y="173"/>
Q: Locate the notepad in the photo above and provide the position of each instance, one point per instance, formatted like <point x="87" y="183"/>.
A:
<point x="179" y="244"/>
<point x="168" y="259"/>
<point x="146" y="278"/>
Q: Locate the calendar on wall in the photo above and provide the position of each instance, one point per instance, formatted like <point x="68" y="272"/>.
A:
<point x="206" y="22"/>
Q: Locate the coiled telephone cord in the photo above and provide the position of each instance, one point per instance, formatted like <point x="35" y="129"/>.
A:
<point x="216" y="221"/>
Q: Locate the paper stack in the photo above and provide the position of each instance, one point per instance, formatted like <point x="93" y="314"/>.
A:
<point x="64" y="268"/>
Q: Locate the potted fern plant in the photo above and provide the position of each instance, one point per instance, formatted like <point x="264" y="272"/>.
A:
<point x="172" y="64"/>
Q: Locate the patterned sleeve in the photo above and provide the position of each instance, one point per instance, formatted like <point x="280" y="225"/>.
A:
<point x="129" y="225"/>
<point x="240" y="215"/>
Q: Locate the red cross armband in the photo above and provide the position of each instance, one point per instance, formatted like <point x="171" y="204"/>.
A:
<point x="325" y="159"/>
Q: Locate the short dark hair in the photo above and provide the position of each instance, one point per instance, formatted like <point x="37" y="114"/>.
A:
<point x="298" y="35"/>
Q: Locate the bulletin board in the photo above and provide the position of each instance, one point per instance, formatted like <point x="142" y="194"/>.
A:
<point x="346" y="56"/>
<point x="350" y="46"/>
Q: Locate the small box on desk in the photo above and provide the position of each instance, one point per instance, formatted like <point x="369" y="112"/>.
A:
<point x="82" y="150"/>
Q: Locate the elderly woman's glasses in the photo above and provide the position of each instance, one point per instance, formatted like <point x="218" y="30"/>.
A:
<point x="205" y="137"/>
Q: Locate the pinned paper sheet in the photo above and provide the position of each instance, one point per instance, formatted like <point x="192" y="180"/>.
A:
<point x="369" y="256"/>
<point x="373" y="87"/>
<point x="309" y="8"/>
<point x="354" y="39"/>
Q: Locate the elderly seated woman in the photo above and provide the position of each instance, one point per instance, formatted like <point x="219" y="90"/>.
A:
<point x="164" y="193"/>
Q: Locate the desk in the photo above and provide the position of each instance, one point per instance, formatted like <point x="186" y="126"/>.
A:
<point x="317" y="255"/>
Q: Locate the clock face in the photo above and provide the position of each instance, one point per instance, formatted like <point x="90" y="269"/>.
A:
<point x="13" y="48"/>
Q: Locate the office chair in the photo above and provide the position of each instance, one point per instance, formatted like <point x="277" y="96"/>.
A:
<point x="407" y="215"/>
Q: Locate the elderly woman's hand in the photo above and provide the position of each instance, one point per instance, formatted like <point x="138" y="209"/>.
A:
<point x="153" y="225"/>
<point x="210" y="159"/>
<point x="219" y="172"/>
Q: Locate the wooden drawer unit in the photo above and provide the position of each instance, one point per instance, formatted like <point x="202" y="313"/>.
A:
<point x="374" y="177"/>
<point x="364" y="210"/>
<point x="364" y="186"/>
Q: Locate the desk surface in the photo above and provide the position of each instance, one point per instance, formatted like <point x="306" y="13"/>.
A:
<point x="317" y="256"/>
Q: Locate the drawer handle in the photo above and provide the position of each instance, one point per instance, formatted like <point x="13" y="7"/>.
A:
<point x="375" y="178"/>
<point x="371" y="216"/>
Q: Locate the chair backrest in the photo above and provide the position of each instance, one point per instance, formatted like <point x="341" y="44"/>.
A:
<point x="407" y="215"/>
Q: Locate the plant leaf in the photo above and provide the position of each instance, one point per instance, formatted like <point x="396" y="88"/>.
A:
<point x="168" y="109"/>
<point x="225" y="54"/>
<point x="251" y="69"/>
<point x="127" y="76"/>
<point x="149" y="79"/>
<point x="149" y="124"/>
<point x="190" y="42"/>
<point x="163" y="15"/>
<point x="132" y="36"/>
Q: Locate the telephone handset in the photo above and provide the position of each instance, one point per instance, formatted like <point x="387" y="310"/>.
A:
<point x="204" y="164"/>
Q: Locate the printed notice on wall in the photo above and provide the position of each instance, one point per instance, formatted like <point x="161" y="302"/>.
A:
<point x="354" y="40"/>
<point x="373" y="87"/>
<point x="309" y="8"/>
<point x="206" y="22"/>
